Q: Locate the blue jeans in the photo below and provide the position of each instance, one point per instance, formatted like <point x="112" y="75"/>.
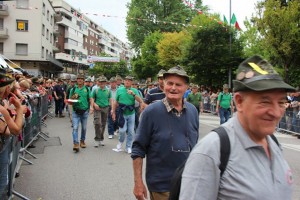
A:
<point x="224" y="114"/>
<point x="112" y="126"/>
<point x="129" y="127"/>
<point x="75" y="120"/>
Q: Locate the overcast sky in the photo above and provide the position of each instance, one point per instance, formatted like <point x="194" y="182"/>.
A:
<point x="117" y="8"/>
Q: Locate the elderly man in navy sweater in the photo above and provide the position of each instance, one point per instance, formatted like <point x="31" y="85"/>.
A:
<point x="167" y="132"/>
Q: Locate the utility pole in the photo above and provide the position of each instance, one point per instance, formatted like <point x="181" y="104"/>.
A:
<point x="230" y="41"/>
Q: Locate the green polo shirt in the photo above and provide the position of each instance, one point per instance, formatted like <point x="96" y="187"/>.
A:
<point x="84" y="95"/>
<point x="122" y="97"/>
<point x="101" y="97"/>
<point x="194" y="98"/>
<point x="225" y="100"/>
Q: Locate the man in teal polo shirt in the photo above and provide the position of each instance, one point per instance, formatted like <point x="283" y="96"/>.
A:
<point x="80" y="111"/>
<point x="100" y="101"/>
<point x="125" y="99"/>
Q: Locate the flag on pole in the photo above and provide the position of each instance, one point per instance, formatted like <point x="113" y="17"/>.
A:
<point x="225" y="20"/>
<point x="237" y="26"/>
<point x="233" y="19"/>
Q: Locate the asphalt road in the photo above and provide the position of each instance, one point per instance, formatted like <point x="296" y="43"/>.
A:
<point x="100" y="173"/>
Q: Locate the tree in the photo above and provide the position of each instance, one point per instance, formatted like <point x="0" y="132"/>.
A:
<point x="278" y="23"/>
<point x="147" y="63"/>
<point x="109" y="69"/>
<point x="208" y="55"/>
<point x="146" y="16"/>
<point x="171" y="47"/>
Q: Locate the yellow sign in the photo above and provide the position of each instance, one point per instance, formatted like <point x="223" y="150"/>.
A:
<point x="21" y="26"/>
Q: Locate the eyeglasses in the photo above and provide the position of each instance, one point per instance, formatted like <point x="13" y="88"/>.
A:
<point x="182" y="145"/>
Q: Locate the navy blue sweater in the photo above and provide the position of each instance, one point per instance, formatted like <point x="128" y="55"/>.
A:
<point x="166" y="141"/>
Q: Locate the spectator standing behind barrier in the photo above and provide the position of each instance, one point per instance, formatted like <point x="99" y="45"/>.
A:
<point x="256" y="168"/>
<point x="101" y="98"/>
<point x="112" y="125"/>
<point x="80" y="111"/>
<point x="60" y="96"/>
<point x="156" y="93"/>
<point x="295" y="99"/>
<point x="194" y="97"/>
<point x="224" y="105"/>
<point x="167" y="132"/>
<point x="10" y="124"/>
<point x="125" y="99"/>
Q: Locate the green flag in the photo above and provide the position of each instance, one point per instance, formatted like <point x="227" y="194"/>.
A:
<point x="233" y="19"/>
<point x="225" y="20"/>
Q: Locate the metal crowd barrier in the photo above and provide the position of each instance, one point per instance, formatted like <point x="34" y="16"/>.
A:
<point x="290" y="123"/>
<point x="15" y="147"/>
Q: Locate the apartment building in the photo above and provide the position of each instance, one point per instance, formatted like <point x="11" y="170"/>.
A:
<point x="47" y="37"/>
<point x="26" y="39"/>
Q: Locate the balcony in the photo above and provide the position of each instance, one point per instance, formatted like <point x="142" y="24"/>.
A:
<point x="55" y="48"/>
<point x="70" y="58"/>
<point x="3" y="33"/>
<point x="76" y="48"/>
<point x="56" y="30"/>
<point x="3" y="10"/>
<point x="55" y="62"/>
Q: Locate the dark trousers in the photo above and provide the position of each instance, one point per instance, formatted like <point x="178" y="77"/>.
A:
<point x="112" y="126"/>
<point x="137" y="117"/>
<point x="59" y="106"/>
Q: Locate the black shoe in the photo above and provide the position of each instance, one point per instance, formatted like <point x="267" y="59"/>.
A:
<point x="31" y="146"/>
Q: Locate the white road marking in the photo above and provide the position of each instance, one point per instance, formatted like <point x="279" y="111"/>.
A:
<point x="294" y="147"/>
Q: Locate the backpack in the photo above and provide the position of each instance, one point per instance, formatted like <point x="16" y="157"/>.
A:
<point x="225" y="153"/>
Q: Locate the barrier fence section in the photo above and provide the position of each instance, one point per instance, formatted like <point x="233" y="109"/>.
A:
<point x="14" y="148"/>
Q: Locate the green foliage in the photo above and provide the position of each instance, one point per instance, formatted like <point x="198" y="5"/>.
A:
<point x="147" y="16"/>
<point x="149" y="61"/>
<point x="109" y="69"/>
<point x="209" y="56"/>
<point x="279" y="26"/>
<point x="171" y="48"/>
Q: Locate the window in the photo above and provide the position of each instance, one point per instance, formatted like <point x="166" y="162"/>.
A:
<point x="43" y="29"/>
<point x="21" y="49"/>
<point x="43" y="52"/>
<point x="22" y="4"/>
<point x="47" y="35"/>
<point x="1" y="47"/>
<point x="22" y="25"/>
<point x="51" y="38"/>
<point x="51" y="19"/>
<point x="48" y="15"/>
<point x="44" y="8"/>
<point x="47" y="52"/>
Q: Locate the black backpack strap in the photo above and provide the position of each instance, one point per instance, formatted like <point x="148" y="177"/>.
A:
<point x="275" y="139"/>
<point x="224" y="148"/>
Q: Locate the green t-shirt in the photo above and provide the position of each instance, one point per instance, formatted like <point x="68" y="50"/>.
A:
<point x="84" y="95"/>
<point x="101" y="96"/>
<point x="122" y="97"/>
<point x="194" y="98"/>
<point x="226" y="99"/>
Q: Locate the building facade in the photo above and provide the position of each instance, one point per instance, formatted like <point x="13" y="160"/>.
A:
<point x="47" y="37"/>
